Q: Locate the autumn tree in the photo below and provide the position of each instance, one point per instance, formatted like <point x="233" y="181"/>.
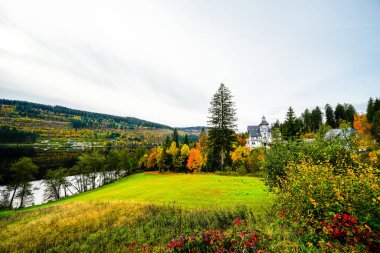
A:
<point x="202" y="146"/>
<point x="160" y="156"/>
<point x="222" y="122"/>
<point x="185" y="152"/>
<point x="172" y="155"/>
<point x="361" y="124"/>
<point x="195" y="161"/>
<point x="152" y="159"/>
<point x="241" y="139"/>
<point x="143" y="162"/>
<point x="240" y="158"/>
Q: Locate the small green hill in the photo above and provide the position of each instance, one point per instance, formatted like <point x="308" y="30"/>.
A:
<point x="184" y="190"/>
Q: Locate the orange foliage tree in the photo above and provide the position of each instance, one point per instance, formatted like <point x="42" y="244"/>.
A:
<point x="241" y="139"/>
<point x="195" y="160"/>
<point x="361" y="124"/>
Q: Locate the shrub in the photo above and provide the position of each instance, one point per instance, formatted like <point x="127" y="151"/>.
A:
<point x="238" y="238"/>
<point x="313" y="197"/>
<point x="337" y="152"/>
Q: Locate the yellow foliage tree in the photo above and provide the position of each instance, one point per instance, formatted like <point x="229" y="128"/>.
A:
<point x="240" y="154"/>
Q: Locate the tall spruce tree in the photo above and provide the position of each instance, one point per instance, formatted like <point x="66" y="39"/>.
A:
<point x="330" y="119"/>
<point x="222" y="122"/>
<point x="376" y="125"/>
<point x="349" y="113"/>
<point x="376" y="105"/>
<point x="370" y="109"/>
<point x="339" y="113"/>
<point x="306" y="120"/>
<point x="316" y="119"/>
<point x="186" y="140"/>
<point x="291" y="125"/>
<point x="175" y="137"/>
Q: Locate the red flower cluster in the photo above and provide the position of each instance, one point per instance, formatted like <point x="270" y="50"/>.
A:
<point x="174" y="244"/>
<point x="235" y="239"/>
<point x="346" y="229"/>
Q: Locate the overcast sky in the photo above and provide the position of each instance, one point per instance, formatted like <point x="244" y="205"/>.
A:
<point x="163" y="60"/>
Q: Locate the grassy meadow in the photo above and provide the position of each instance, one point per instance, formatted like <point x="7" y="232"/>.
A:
<point x="146" y="208"/>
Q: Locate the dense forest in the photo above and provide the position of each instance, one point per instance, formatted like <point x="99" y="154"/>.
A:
<point x="13" y="135"/>
<point x="78" y="118"/>
<point x="343" y="115"/>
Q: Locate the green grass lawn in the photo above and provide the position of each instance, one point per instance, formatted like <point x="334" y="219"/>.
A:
<point x="187" y="190"/>
<point x="144" y="208"/>
<point x="184" y="190"/>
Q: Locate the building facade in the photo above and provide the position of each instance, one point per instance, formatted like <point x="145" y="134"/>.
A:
<point x="260" y="135"/>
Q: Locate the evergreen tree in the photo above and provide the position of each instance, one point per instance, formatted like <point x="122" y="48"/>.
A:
<point x="167" y="142"/>
<point x="349" y="113"/>
<point x="316" y="119"/>
<point x="186" y="140"/>
<point x="376" y="105"/>
<point x="175" y="137"/>
<point x="306" y="120"/>
<point x="222" y="122"/>
<point x="370" y="110"/>
<point x="339" y="113"/>
<point x="276" y="124"/>
<point x="330" y="118"/>
<point x="376" y="125"/>
<point x="290" y="127"/>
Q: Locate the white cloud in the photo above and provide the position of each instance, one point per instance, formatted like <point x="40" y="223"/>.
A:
<point x="163" y="60"/>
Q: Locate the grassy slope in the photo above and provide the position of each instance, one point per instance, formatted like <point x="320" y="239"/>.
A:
<point x="110" y="218"/>
<point x="185" y="190"/>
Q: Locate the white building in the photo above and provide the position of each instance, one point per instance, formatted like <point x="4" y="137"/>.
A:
<point x="260" y="135"/>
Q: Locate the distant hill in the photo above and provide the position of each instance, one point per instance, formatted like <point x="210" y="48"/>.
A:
<point x="78" y="118"/>
<point x="192" y="130"/>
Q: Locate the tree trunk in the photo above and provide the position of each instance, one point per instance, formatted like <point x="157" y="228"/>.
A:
<point x="13" y="196"/>
<point x="22" y="196"/>
<point x="222" y="159"/>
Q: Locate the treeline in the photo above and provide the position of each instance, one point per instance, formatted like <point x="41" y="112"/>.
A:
<point x="92" y="170"/>
<point x="13" y="135"/>
<point x="373" y="116"/>
<point x="89" y="119"/>
<point x="311" y="121"/>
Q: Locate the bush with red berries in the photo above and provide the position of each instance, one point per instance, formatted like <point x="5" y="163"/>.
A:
<point x="238" y="238"/>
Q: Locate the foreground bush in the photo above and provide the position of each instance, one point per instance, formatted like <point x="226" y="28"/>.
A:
<point x="238" y="238"/>
<point x="329" y="209"/>
<point x="337" y="152"/>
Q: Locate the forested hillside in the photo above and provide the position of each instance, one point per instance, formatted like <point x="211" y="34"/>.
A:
<point x="78" y="118"/>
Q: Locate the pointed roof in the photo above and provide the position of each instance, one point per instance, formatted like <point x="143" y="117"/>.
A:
<point x="264" y="121"/>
